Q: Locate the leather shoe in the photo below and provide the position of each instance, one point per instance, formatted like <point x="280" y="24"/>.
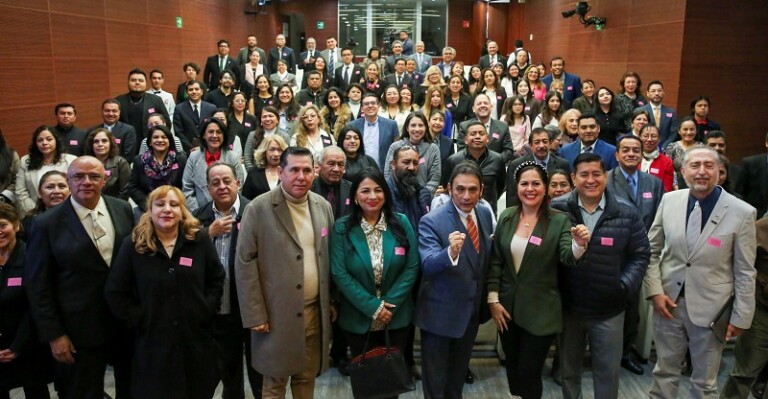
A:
<point x="632" y="365"/>
<point x="470" y="378"/>
<point x="343" y="366"/>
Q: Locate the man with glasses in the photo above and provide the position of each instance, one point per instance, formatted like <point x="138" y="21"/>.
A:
<point x="217" y="64"/>
<point x="66" y="272"/>
<point x="378" y="133"/>
<point x="221" y="96"/>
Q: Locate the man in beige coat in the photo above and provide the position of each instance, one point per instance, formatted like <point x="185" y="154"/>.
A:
<point x="283" y="278"/>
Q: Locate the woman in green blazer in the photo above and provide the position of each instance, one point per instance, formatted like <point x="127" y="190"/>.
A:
<point x="374" y="261"/>
<point x="530" y="241"/>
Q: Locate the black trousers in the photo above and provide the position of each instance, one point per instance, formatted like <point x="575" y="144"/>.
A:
<point x="444" y="362"/>
<point x="233" y="341"/>
<point x="631" y="324"/>
<point x="84" y="379"/>
<point x="525" y="354"/>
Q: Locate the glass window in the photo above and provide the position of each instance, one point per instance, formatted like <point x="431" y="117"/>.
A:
<point x="368" y="23"/>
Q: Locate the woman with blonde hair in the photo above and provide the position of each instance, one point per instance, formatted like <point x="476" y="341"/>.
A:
<point x="263" y="177"/>
<point x="569" y="125"/>
<point x="435" y="100"/>
<point x="168" y="277"/>
<point x="309" y="132"/>
<point x="433" y="76"/>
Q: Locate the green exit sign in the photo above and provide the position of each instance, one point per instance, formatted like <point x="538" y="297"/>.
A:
<point x="179" y="23"/>
<point x="320" y="25"/>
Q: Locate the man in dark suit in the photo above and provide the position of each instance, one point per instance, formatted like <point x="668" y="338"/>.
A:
<point x="644" y="192"/>
<point x="588" y="142"/>
<point x="539" y="142"/>
<point x="137" y="104"/>
<point x="244" y="55"/>
<point x="446" y="65"/>
<point x="716" y="140"/>
<point x="74" y="244"/>
<point x="571" y="82"/>
<point x="417" y="78"/>
<point x="493" y="57"/>
<point x="218" y="63"/>
<point x="282" y="52"/>
<point x="348" y="72"/>
<point x="752" y="185"/>
<point x="71" y="136"/>
<point x="125" y="135"/>
<point x="330" y="163"/>
<point x="399" y="78"/>
<point x="306" y="61"/>
<point x="397" y="52"/>
<point x="221" y="217"/>
<point x="455" y="249"/>
<point x="498" y="131"/>
<point x="663" y="117"/>
<point x="189" y="114"/>
<point x="377" y="133"/>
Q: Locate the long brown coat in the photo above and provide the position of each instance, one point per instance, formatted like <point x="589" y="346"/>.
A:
<point x="269" y="273"/>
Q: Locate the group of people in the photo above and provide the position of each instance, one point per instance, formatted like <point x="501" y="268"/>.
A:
<point x="291" y="226"/>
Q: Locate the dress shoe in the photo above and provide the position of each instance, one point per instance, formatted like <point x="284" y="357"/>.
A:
<point x="632" y="365"/>
<point x="556" y="377"/>
<point x="470" y="378"/>
<point x="415" y="372"/>
<point x="343" y="366"/>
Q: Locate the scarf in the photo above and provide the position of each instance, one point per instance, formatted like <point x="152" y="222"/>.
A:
<point x="157" y="172"/>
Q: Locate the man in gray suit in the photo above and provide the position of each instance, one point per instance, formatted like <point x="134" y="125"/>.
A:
<point x="244" y="55"/>
<point x="644" y="192"/>
<point x="282" y="271"/>
<point x="699" y="259"/>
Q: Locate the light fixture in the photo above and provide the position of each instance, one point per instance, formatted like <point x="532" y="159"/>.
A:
<point x="582" y="8"/>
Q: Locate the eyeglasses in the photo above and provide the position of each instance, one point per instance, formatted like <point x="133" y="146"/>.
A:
<point x="369" y="103"/>
<point x="80" y="177"/>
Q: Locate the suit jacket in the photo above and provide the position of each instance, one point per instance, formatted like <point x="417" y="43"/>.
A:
<point x="212" y="71"/>
<point x="426" y="61"/>
<point x="269" y="272"/>
<point x="256" y="183"/>
<point x="606" y="151"/>
<point x="721" y="263"/>
<point x="649" y="193"/>
<point x="354" y="76"/>
<point x="336" y="60"/>
<point x="387" y="135"/>
<point x="244" y="56"/>
<point x="66" y="275"/>
<point x="184" y="125"/>
<point x="500" y="140"/>
<point x="669" y="123"/>
<point x="449" y="296"/>
<point x="460" y="111"/>
<point x="287" y="54"/>
<point x="572" y="86"/>
<point x="554" y="163"/>
<point x="752" y="184"/>
<point x="531" y="295"/>
<point x="442" y="66"/>
<point x="275" y="81"/>
<point x="353" y="275"/>
<point x="151" y="104"/>
<point x="405" y="81"/>
<point x="181" y="92"/>
<point x="343" y="200"/>
<point x="194" y="182"/>
<point x="125" y="138"/>
<point x="485" y="61"/>
<point x="16" y="331"/>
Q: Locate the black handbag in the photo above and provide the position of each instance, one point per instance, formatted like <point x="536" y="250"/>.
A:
<point x="380" y="372"/>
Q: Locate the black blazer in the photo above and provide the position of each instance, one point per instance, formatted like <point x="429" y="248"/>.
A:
<point x="354" y="76"/>
<point x="752" y="184"/>
<point x="184" y="126"/>
<point x="485" y="61"/>
<point x="181" y="92"/>
<point x="139" y="186"/>
<point x="255" y="183"/>
<point x="288" y="55"/>
<point x="212" y="71"/>
<point x="404" y="82"/>
<point x="151" y="104"/>
<point x="462" y="111"/>
<point x="66" y="275"/>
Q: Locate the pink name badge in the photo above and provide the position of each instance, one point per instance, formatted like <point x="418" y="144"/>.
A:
<point x="640" y="103"/>
<point x="174" y="166"/>
<point x="570" y="87"/>
<point x="449" y="105"/>
<point x="72" y="142"/>
<point x="247" y="124"/>
<point x="357" y="72"/>
<point x="648" y="195"/>
<point x="108" y="172"/>
<point x="346" y="202"/>
<point x="117" y="141"/>
<point x="715" y="242"/>
<point x="498" y="97"/>
<point x="400" y="251"/>
<point x="231" y="146"/>
<point x="326" y="141"/>
<point x="535" y="240"/>
<point x="14" y="282"/>
<point x="151" y="110"/>
<point x="184" y="261"/>
<point x="669" y="114"/>
<point x="309" y="102"/>
<point x="238" y="225"/>
<point x="495" y="135"/>
<point x="527" y="108"/>
<point x="323" y="232"/>
<point x="606" y="241"/>
<point x="285" y="54"/>
<point x="422" y="160"/>
<point x="654" y="170"/>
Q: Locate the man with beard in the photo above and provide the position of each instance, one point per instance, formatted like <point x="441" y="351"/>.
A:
<point x="408" y="196"/>
<point x="137" y="104"/>
<point x="72" y="137"/>
<point x="220" y="96"/>
<point x="245" y="52"/>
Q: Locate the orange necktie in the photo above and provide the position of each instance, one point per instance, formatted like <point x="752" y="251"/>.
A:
<point x="472" y="230"/>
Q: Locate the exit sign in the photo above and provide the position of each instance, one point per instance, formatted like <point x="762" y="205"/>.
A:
<point x="178" y="22"/>
<point x="320" y="24"/>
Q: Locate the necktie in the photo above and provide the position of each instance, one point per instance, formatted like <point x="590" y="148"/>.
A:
<point x="632" y="185"/>
<point x="398" y="80"/>
<point x="331" y="197"/>
<point x="586" y="150"/>
<point x="222" y="63"/>
<point x="472" y="230"/>
<point x="693" y="230"/>
<point x="543" y="164"/>
<point x="331" y="62"/>
<point x="346" y="74"/>
<point x="156" y="91"/>
<point x="657" y="116"/>
<point x="195" y="115"/>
